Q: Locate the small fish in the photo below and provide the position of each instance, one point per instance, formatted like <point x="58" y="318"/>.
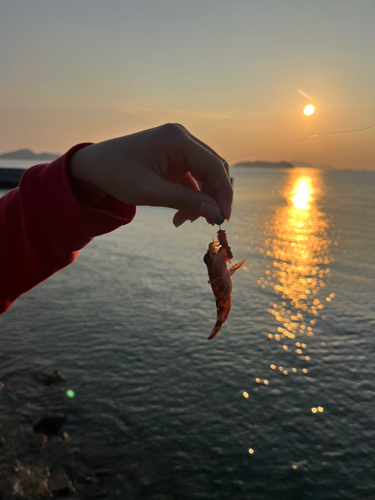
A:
<point x="216" y="258"/>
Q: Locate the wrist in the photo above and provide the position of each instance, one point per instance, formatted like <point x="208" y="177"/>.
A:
<point x="81" y="181"/>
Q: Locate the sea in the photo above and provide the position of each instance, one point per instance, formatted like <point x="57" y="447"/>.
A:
<point x="279" y="406"/>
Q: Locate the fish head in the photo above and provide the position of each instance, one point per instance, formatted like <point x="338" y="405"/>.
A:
<point x="211" y="253"/>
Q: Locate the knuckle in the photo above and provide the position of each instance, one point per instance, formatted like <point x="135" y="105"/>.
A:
<point x="172" y="129"/>
<point x="179" y="126"/>
<point x="218" y="165"/>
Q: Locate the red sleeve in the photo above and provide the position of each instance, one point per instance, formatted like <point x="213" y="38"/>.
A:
<point x="43" y="226"/>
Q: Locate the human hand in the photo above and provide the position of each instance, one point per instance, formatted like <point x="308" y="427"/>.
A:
<point x="157" y="167"/>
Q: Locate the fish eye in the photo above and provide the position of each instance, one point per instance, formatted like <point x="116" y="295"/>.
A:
<point x="206" y="258"/>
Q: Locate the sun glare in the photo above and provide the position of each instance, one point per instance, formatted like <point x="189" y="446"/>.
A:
<point x="309" y="109"/>
<point x="302" y="193"/>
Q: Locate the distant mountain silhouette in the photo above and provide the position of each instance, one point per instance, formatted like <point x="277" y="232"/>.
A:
<point x="264" y="164"/>
<point x="302" y="164"/>
<point x="27" y="154"/>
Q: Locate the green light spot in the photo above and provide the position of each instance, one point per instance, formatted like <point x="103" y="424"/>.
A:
<point x="70" y="393"/>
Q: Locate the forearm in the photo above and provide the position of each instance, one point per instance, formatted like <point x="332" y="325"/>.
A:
<point x="43" y="226"/>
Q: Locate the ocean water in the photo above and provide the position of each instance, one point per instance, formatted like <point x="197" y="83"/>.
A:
<point x="279" y="406"/>
<point x="22" y="164"/>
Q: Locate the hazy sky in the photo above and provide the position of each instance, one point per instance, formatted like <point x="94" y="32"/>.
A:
<point x="88" y="70"/>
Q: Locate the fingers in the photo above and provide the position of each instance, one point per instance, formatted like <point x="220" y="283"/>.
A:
<point x="201" y="162"/>
<point x="225" y="164"/>
<point x="193" y="203"/>
<point x="190" y="182"/>
<point x="205" y="165"/>
<point x="187" y="152"/>
<point x="181" y="217"/>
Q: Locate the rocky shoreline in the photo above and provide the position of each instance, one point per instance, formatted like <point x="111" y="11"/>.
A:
<point x="24" y="470"/>
<point x="38" y="459"/>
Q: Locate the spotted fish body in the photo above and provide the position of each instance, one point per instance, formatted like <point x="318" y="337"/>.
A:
<point x="216" y="258"/>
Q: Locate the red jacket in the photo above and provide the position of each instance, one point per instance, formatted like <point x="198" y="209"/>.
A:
<point x="43" y="226"/>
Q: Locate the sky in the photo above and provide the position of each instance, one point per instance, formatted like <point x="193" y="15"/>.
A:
<point x="232" y="72"/>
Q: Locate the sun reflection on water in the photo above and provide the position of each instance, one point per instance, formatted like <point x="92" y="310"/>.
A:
<point x="297" y="241"/>
<point x="302" y="193"/>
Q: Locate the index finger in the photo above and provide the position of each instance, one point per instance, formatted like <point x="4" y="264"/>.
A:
<point x="225" y="164"/>
<point x="208" y="166"/>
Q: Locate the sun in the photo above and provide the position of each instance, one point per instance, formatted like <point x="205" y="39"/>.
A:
<point x="309" y="109"/>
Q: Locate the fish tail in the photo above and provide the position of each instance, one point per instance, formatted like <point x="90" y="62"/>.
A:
<point x="215" y="330"/>
<point x="223" y="304"/>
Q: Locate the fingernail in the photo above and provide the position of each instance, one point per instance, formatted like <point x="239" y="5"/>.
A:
<point x="209" y="211"/>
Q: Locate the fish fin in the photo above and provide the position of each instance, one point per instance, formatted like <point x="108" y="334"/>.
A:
<point x="236" y="266"/>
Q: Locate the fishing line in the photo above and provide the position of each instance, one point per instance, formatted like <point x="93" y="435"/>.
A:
<point x="296" y="142"/>
<point x="301" y="140"/>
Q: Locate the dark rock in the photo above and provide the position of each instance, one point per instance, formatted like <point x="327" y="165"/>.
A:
<point x="37" y="443"/>
<point x="86" y="480"/>
<point x="50" y="425"/>
<point x="53" y="378"/>
<point x="23" y="482"/>
<point x="59" y="483"/>
<point x="43" y="442"/>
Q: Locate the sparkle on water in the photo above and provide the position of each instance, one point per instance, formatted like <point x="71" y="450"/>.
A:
<point x="297" y="243"/>
<point x="300" y="268"/>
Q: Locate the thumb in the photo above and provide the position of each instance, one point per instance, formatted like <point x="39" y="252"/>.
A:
<point x="192" y="202"/>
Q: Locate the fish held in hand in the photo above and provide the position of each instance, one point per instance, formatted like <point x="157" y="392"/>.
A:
<point x="218" y="255"/>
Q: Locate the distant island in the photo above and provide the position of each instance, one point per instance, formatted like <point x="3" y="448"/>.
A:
<point x="281" y="164"/>
<point x="264" y="164"/>
<point x="27" y="154"/>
